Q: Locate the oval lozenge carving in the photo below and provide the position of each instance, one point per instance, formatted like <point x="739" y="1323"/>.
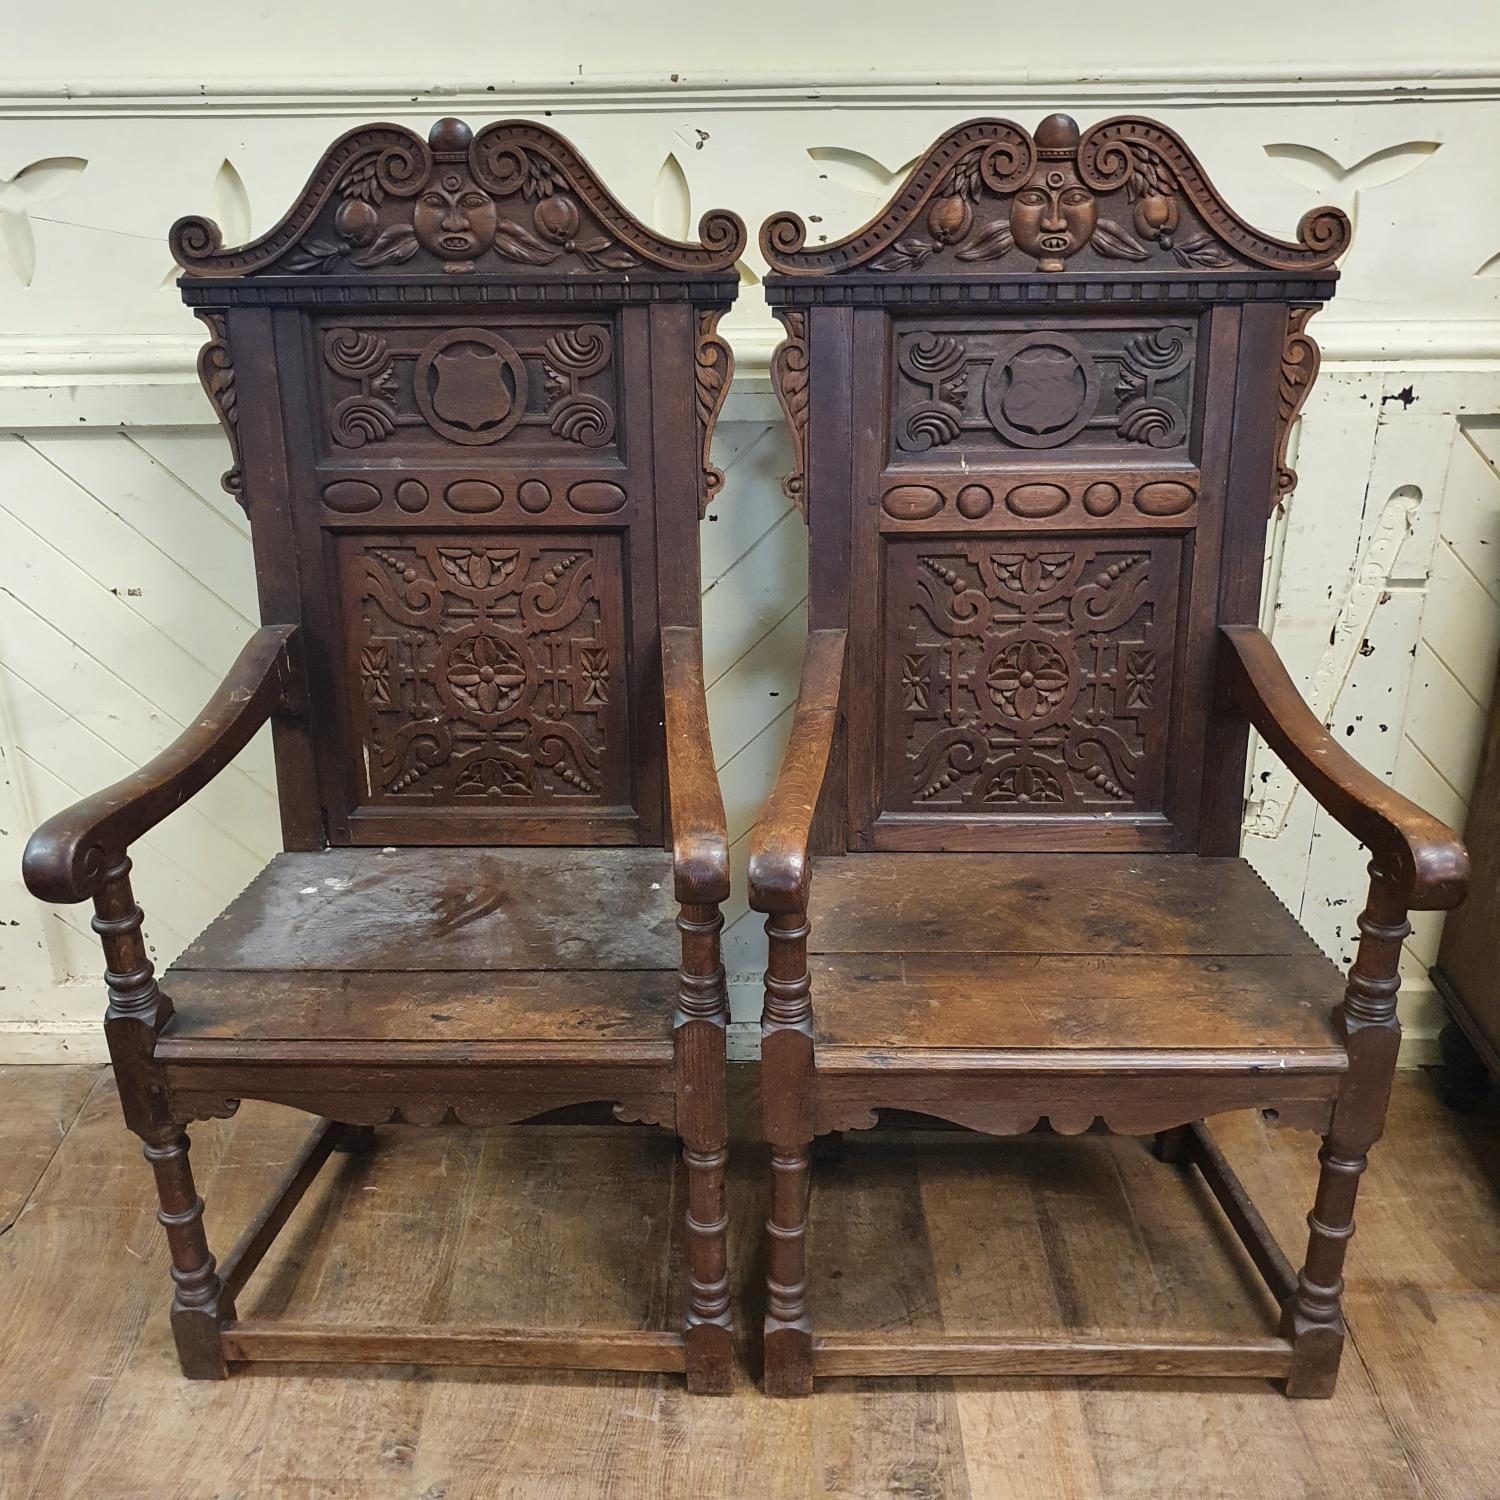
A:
<point x="411" y="495"/>
<point x="1101" y="498"/>
<point x="534" y="497"/>
<point x="974" y="501"/>
<point x="594" y="497"/>
<point x="351" y="496"/>
<point x="1164" y="497"/>
<point x="912" y="502"/>
<point x="473" y="496"/>
<point x="1037" y="500"/>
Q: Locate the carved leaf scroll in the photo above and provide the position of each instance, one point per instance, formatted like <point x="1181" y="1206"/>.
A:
<point x="789" y="375"/>
<point x="216" y="375"/>
<point x="713" y="369"/>
<point x="1300" y="357"/>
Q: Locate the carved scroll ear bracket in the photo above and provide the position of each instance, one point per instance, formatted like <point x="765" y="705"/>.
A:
<point x="713" y="369"/>
<point x="1300" y="358"/>
<point x="216" y="373"/>
<point x="789" y="376"/>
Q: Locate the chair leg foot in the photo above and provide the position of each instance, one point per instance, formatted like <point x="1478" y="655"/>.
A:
<point x="356" y="1140"/>
<point x="788" y="1360"/>
<point x="1317" y="1349"/>
<point x="200" y="1349"/>
<point x="197" y="1306"/>
<point x="1172" y="1145"/>
<point x="710" y="1359"/>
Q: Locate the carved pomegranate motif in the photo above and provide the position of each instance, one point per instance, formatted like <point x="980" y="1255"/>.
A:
<point x="1156" y="216"/>
<point x="557" y="219"/>
<point x="949" y="219"/>
<point x="357" y="221"/>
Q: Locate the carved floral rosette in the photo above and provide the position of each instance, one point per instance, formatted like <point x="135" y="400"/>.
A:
<point x="515" y="198"/>
<point x="988" y="198"/>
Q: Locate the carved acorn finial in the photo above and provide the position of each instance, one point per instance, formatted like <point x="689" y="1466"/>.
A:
<point x="1057" y="135"/>
<point x="449" y="138"/>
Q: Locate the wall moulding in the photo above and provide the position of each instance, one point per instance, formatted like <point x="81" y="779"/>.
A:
<point x="152" y="380"/>
<point x="977" y="92"/>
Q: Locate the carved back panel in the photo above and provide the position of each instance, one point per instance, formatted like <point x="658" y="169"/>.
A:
<point x="470" y="400"/>
<point x="1040" y="407"/>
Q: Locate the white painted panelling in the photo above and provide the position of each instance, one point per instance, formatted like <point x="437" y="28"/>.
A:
<point x="126" y="584"/>
<point x="1388" y="615"/>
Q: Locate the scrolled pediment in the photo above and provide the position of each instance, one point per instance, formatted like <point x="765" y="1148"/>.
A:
<point x="1126" y="198"/>
<point x="514" y="199"/>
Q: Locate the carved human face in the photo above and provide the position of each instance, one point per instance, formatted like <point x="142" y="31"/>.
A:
<point x="454" y="219"/>
<point x="1052" y="217"/>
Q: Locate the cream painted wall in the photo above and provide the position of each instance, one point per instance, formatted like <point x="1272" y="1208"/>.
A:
<point x="507" y="43"/>
<point x="125" y="579"/>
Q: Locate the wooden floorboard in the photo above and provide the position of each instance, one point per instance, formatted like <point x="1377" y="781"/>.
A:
<point x="37" y="1106"/>
<point x="950" y="1235"/>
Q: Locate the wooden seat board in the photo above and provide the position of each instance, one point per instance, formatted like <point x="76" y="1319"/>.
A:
<point x="936" y="1001"/>
<point x="1093" y="904"/>
<point x="432" y="909"/>
<point x="584" y="1007"/>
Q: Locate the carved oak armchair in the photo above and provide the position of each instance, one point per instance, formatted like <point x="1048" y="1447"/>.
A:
<point x="469" y="399"/>
<point x="1040" y="408"/>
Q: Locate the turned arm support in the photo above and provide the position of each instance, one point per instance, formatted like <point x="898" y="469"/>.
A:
<point x="1423" y="858"/>
<point x="700" y="837"/>
<point x="68" y="857"/>
<point x="778" y="852"/>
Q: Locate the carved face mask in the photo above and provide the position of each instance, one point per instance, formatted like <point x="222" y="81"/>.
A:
<point x="1052" y="217"/>
<point x="454" y="220"/>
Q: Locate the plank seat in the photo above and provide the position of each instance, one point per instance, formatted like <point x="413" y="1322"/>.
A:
<point x="423" y="961"/>
<point x="1038" y="959"/>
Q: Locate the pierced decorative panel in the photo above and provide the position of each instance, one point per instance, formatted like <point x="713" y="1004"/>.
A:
<point x="486" y="671"/>
<point x="1029" y="676"/>
<point x="394" y="387"/>
<point x="998" y="390"/>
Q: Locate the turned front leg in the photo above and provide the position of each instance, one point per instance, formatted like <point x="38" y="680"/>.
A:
<point x="137" y="1012"/>
<point x="787" y="1083"/>
<point x="1313" y="1316"/>
<point x="703" y="1124"/>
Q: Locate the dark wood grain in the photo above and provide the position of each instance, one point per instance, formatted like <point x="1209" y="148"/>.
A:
<point x="779" y="869"/>
<point x="1106" y="905"/>
<point x="415" y="910"/>
<point x="959" y="1354"/>
<point x="496" y="1348"/>
<point x="700" y="840"/>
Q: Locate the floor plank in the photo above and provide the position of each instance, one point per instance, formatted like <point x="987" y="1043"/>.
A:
<point x="932" y="1230"/>
<point x="37" y="1105"/>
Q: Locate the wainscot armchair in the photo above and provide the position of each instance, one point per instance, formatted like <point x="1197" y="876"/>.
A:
<point x="1040" y="407"/>
<point x="469" y="399"/>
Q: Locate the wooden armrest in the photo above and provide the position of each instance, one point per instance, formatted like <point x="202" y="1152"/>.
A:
<point x="1423" y="856"/>
<point x="67" y="858"/>
<point x="700" y="836"/>
<point x="778" y="851"/>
